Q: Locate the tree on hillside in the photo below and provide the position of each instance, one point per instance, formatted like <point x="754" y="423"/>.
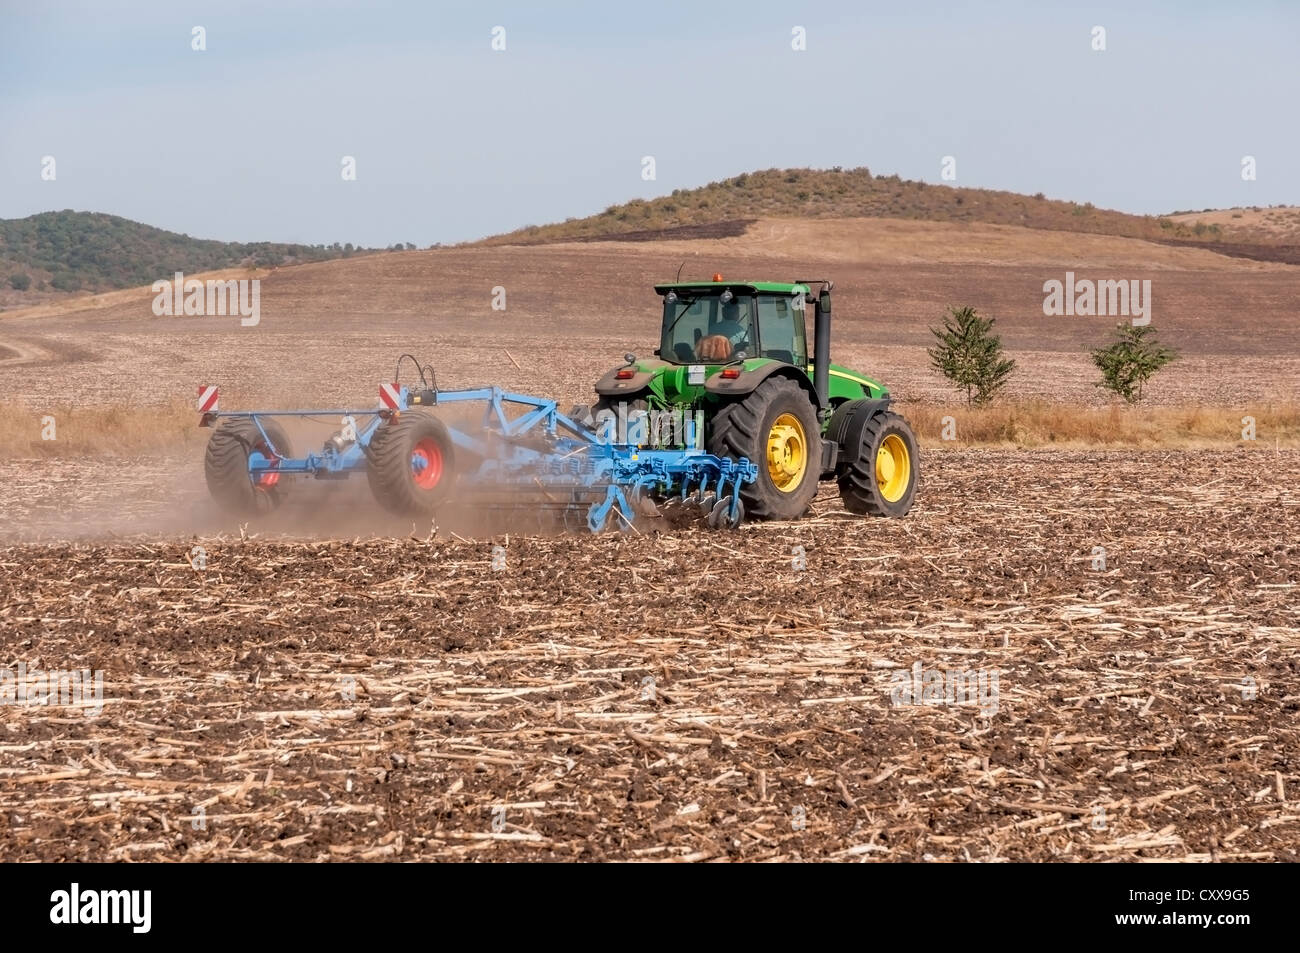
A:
<point x="20" y="281"/>
<point x="1130" y="360"/>
<point x="970" y="355"/>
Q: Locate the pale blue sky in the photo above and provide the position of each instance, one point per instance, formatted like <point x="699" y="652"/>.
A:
<point x="454" y="141"/>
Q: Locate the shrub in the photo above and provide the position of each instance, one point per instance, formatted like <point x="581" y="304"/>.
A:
<point x="20" y="281"/>
<point x="970" y="355"/>
<point x="1130" y="360"/>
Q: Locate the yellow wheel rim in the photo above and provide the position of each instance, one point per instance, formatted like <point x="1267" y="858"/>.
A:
<point x="893" y="468"/>
<point x="787" y="453"/>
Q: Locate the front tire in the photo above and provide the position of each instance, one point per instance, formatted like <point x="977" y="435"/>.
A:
<point x="879" y="465"/>
<point x="774" y="426"/>
<point x="412" y="464"/>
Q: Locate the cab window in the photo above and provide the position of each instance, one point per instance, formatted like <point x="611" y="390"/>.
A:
<point x="705" y="328"/>
<point x="781" y="330"/>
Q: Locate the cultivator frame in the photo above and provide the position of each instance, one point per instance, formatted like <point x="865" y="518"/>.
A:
<point x="523" y="454"/>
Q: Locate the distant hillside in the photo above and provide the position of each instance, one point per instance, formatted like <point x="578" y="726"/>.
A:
<point x="88" y="251"/>
<point x="840" y="193"/>
<point x="1249" y="223"/>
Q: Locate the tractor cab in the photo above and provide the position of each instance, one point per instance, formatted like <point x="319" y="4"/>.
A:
<point x="718" y="322"/>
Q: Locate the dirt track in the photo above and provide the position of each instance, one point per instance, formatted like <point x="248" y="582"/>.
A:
<point x="508" y="713"/>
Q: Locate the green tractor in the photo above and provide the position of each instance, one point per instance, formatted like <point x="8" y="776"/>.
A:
<point x="733" y="357"/>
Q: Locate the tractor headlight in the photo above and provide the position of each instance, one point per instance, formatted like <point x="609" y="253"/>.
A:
<point x="727" y="296"/>
<point x="671" y="297"/>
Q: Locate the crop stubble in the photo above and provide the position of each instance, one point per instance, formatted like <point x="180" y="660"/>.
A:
<point x="506" y="714"/>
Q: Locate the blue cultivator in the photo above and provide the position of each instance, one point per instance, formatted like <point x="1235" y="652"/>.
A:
<point x="519" y="454"/>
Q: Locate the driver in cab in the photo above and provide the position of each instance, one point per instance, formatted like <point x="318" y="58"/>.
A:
<point x="730" y="334"/>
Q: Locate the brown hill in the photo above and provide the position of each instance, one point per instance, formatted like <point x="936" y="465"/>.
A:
<point x="726" y="208"/>
<point x="839" y="193"/>
<point x="1252" y="223"/>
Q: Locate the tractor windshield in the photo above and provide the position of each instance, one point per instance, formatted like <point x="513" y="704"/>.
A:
<point x="705" y="329"/>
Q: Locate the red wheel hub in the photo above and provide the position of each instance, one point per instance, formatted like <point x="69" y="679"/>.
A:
<point x="426" y="463"/>
<point x="266" y="481"/>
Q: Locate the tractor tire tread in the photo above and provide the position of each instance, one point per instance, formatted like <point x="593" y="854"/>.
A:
<point x="735" y="432"/>
<point x="857" y="472"/>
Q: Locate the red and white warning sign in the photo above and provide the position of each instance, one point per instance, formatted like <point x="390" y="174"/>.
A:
<point x="390" y="396"/>
<point x="207" y="399"/>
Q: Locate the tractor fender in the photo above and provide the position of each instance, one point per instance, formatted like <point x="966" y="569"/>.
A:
<point x="747" y="381"/>
<point x="610" y="386"/>
<point x="849" y="420"/>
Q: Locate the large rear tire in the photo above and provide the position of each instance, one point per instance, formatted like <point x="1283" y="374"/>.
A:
<point x="774" y="426"/>
<point x="412" y="464"/>
<point x="879" y="466"/>
<point x="225" y="466"/>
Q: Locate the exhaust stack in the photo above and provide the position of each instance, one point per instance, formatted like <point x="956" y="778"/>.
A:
<point x="822" y="346"/>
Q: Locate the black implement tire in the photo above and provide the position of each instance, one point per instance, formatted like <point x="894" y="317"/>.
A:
<point x="225" y="466"/>
<point x="634" y="404"/>
<point x="875" y="447"/>
<point x="744" y="428"/>
<point x="395" y="449"/>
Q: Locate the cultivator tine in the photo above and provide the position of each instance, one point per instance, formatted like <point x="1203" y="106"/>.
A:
<point x="726" y="513"/>
<point x="710" y="499"/>
<point x="625" y="525"/>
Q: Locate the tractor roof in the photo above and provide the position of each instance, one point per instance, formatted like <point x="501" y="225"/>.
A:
<point x="769" y="287"/>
